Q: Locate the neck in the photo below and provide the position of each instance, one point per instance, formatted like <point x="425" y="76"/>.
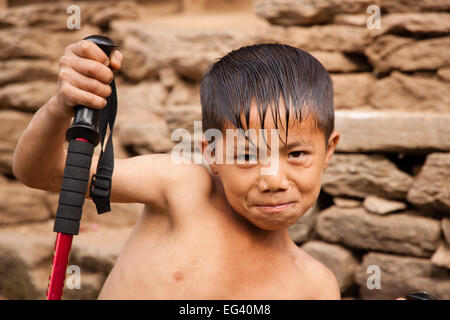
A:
<point x="270" y="238"/>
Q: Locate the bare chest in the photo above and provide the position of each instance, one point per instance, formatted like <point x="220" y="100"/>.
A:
<point x="208" y="261"/>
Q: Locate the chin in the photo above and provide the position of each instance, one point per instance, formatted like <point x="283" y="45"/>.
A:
<point x="273" y="222"/>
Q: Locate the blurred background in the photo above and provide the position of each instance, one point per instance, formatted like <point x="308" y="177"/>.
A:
<point x="385" y="200"/>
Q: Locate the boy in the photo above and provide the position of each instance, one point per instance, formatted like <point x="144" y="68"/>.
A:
<point x="218" y="233"/>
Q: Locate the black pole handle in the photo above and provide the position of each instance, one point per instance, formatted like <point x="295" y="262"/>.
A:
<point x="85" y="122"/>
<point x="78" y="162"/>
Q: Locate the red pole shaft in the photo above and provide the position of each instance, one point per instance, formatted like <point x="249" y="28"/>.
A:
<point x="60" y="260"/>
<point x="61" y="254"/>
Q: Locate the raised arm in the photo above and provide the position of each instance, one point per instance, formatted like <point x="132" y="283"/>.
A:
<point x="39" y="158"/>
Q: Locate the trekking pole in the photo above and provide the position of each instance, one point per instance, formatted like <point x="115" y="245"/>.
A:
<point x="83" y="137"/>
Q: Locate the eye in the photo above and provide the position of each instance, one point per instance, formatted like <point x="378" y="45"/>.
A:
<point x="296" y="154"/>
<point x="246" y="157"/>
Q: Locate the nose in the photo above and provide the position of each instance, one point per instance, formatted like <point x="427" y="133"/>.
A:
<point x="273" y="183"/>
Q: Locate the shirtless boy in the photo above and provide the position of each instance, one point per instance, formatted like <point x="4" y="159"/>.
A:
<point x="218" y="233"/>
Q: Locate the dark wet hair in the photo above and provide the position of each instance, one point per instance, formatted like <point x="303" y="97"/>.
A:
<point x="264" y="73"/>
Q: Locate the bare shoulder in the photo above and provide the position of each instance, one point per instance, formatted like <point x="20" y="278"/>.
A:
<point x="323" y="283"/>
<point x="191" y="175"/>
<point x="189" y="182"/>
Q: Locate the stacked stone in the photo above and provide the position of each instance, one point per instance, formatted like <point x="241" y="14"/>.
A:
<point x="32" y="38"/>
<point x="390" y="180"/>
<point x="386" y="194"/>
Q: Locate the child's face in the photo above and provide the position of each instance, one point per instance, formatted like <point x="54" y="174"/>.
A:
<point x="276" y="200"/>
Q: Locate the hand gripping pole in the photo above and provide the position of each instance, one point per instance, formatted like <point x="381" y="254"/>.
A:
<point x="83" y="137"/>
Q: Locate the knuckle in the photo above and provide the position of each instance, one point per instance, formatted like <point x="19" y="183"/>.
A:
<point x="64" y="61"/>
<point x="85" y="46"/>
<point x="93" y="69"/>
<point x="64" y="74"/>
<point x="91" y="86"/>
<point x="104" y="90"/>
<point x="109" y="76"/>
<point x="99" y="102"/>
<point x="108" y="91"/>
<point x="64" y="90"/>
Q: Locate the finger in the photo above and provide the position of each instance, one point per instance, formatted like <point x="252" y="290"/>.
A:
<point x="92" y="69"/>
<point x="89" y="50"/>
<point x="85" y="83"/>
<point x="77" y="96"/>
<point x="116" y="59"/>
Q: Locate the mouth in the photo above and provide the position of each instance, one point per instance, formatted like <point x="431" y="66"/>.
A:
<point x="276" y="207"/>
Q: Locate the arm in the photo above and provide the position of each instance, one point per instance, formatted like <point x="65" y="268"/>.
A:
<point x="39" y="157"/>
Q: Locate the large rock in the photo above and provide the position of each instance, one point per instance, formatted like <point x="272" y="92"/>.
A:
<point x="392" y="131"/>
<point x="27" y="42"/>
<point x="444" y="73"/>
<point x="339" y="62"/>
<point x="446" y="229"/>
<point x="431" y="188"/>
<point x="143" y="102"/>
<point x="359" y="175"/>
<point x="94" y="250"/>
<point x="352" y="90"/>
<point x="24" y="43"/>
<point x="21" y="70"/>
<point x="359" y="20"/>
<point x="400" y="233"/>
<point x="415" y="6"/>
<point x="302" y="229"/>
<point x="183" y="94"/>
<point x="103" y="16"/>
<point x="402" y="275"/>
<point x="147" y="48"/>
<point x="183" y="117"/>
<point x="410" y="93"/>
<point x="28" y="96"/>
<point x="144" y="138"/>
<point x="441" y="257"/>
<point x="32" y="243"/>
<point x="20" y="204"/>
<point x="391" y="52"/>
<point x="15" y="280"/>
<point x="338" y="259"/>
<point x="420" y="24"/>
<point x="346" y="202"/>
<point x="306" y="12"/>
<point x="12" y="125"/>
<point x="341" y="38"/>
<point x="97" y="250"/>
<point x="379" y="205"/>
<point x="53" y="16"/>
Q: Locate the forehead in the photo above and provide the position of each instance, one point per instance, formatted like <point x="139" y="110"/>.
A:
<point x="304" y="131"/>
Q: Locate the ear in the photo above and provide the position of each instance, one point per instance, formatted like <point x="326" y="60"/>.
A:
<point x="332" y="144"/>
<point x="209" y="157"/>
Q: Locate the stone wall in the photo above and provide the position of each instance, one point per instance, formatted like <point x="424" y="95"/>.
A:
<point x="385" y="199"/>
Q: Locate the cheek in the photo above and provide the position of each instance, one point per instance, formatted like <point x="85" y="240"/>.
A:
<point x="309" y="181"/>
<point x="236" y="184"/>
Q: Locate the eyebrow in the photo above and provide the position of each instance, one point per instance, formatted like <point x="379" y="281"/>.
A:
<point x="298" y="144"/>
<point x="301" y="143"/>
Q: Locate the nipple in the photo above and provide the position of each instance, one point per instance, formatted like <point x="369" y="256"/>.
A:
<point x="178" y="276"/>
